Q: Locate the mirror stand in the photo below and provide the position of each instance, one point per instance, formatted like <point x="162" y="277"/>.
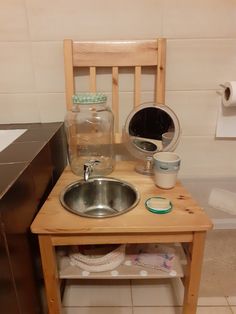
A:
<point x="150" y="128"/>
<point x="146" y="167"/>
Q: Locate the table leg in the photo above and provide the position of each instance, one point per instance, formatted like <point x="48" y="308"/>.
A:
<point x="50" y="272"/>
<point x="193" y="273"/>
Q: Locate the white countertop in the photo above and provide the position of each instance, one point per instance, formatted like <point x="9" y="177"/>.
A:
<point x="9" y="136"/>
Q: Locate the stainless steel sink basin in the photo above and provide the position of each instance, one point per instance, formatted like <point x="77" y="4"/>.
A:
<point x="99" y="197"/>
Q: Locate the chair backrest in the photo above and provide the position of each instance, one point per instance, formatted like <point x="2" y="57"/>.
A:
<point x="115" y="54"/>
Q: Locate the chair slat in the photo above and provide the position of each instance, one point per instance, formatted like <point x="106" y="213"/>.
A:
<point x="115" y="96"/>
<point x="92" y="79"/>
<point x="115" y="53"/>
<point x="69" y="72"/>
<point x="161" y="67"/>
<point x="137" y="86"/>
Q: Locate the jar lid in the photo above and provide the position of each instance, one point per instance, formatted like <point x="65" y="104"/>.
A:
<point x="89" y="98"/>
<point x="158" y="205"/>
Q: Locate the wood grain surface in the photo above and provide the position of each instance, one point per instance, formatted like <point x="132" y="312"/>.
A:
<point x="186" y="215"/>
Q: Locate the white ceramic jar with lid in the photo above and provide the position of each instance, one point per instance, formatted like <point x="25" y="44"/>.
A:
<point x="90" y="131"/>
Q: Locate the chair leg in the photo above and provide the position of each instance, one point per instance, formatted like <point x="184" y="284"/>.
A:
<point x="193" y="273"/>
<point x="51" y="280"/>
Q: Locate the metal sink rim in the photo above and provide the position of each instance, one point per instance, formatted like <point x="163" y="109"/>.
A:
<point x="101" y="178"/>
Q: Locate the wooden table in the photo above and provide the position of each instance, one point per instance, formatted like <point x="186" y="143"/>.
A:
<point x="186" y="224"/>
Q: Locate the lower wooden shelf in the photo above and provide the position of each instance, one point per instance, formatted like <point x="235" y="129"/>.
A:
<point x="128" y="269"/>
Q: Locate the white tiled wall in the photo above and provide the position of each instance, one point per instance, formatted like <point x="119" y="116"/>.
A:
<point x="201" y="54"/>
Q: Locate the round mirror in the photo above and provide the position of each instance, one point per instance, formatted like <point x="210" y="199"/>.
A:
<point x="150" y="128"/>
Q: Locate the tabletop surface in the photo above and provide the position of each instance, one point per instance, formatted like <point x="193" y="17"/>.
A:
<point x="186" y="215"/>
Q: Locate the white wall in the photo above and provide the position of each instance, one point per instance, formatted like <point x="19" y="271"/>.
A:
<point x="201" y="54"/>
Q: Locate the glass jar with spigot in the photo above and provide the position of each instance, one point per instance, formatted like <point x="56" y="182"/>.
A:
<point x="90" y="131"/>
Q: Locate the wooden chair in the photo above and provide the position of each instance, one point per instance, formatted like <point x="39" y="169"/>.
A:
<point x="115" y="54"/>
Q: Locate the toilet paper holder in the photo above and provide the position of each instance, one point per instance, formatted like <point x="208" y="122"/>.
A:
<point x="221" y="92"/>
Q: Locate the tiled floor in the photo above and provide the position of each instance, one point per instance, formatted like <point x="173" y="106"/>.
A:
<point x="163" y="296"/>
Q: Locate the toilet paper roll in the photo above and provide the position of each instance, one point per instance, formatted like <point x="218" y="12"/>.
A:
<point x="229" y="94"/>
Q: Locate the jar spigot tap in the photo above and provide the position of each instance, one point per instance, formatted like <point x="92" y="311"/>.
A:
<point x="88" y="168"/>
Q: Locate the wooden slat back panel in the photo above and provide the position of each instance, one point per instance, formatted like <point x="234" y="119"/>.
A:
<point x="115" y="54"/>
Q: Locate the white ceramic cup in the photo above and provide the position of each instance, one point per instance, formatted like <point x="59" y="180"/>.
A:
<point x="166" y="167"/>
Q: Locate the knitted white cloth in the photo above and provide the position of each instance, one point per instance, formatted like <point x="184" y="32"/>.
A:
<point x="93" y="263"/>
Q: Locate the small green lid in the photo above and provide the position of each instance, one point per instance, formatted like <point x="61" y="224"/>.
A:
<point x="158" y="205"/>
<point x="89" y="98"/>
